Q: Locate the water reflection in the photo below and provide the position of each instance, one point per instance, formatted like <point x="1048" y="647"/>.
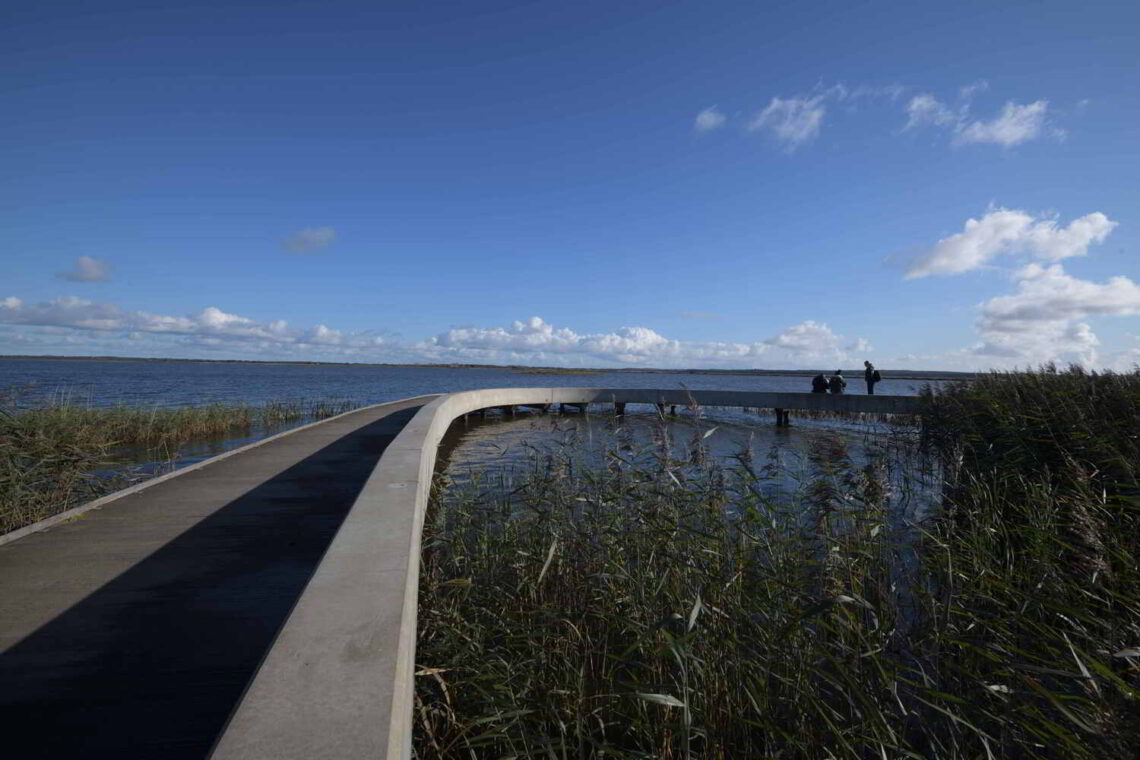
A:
<point x="784" y="462"/>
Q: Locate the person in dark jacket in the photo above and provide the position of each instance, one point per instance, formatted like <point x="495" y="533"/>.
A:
<point x="872" y="376"/>
<point x="837" y="384"/>
<point x="819" y="384"/>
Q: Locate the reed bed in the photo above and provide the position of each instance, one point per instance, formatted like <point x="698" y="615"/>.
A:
<point x="968" y="591"/>
<point x="54" y="456"/>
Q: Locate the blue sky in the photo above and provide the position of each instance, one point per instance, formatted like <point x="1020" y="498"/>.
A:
<point x="744" y="184"/>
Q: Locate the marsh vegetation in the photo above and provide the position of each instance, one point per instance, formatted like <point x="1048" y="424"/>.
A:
<point x="964" y="589"/>
<point x="55" y="454"/>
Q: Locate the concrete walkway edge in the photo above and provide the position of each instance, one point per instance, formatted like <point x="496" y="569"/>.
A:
<point x="80" y="510"/>
<point x="338" y="682"/>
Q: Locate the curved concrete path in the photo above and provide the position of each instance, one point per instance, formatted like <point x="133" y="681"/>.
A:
<point x="132" y="630"/>
<point x="338" y="683"/>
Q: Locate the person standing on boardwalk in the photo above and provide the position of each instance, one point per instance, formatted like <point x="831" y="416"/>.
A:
<point x="837" y="384"/>
<point x="872" y="376"/>
<point x="819" y="384"/>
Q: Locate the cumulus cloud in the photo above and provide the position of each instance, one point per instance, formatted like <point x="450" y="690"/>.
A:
<point x="709" y="119"/>
<point x="309" y="240"/>
<point x="792" y="121"/>
<point x="532" y="341"/>
<point x="1009" y="231"/>
<point x="1044" y="319"/>
<point x="209" y="323"/>
<point x="1048" y="293"/>
<point x="810" y="337"/>
<point x="1125" y="361"/>
<point x="536" y="340"/>
<point x="87" y="269"/>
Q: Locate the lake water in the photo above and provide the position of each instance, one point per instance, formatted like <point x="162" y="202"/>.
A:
<point x="180" y="383"/>
<point x="493" y="452"/>
<point x="498" y="442"/>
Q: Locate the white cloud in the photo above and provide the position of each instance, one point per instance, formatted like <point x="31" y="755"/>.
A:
<point x="792" y="121"/>
<point x="815" y="339"/>
<point x="1124" y="361"/>
<point x="88" y="269"/>
<point x="211" y="322"/>
<point x="536" y="340"/>
<point x="1009" y="231"/>
<point x="1047" y="294"/>
<point x="967" y="92"/>
<point x="310" y="240"/>
<point x="80" y="323"/>
<point x="1043" y="320"/>
<point x="865" y="91"/>
<point x="927" y="109"/>
<point x="808" y="337"/>
<point x="796" y="120"/>
<point x="1016" y="124"/>
<point x="709" y="119"/>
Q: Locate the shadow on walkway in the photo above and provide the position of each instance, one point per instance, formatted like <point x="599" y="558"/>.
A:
<point x="152" y="663"/>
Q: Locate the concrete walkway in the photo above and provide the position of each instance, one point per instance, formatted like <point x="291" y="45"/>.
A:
<point x="132" y="631"/>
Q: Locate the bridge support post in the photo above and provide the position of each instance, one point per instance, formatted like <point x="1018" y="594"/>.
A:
<point x="782" y="419"/>
<point x="619" y="408"/>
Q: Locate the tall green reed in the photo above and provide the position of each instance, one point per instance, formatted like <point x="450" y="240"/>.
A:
<point x="651" y="607"/>
<point x="57" y="454"/>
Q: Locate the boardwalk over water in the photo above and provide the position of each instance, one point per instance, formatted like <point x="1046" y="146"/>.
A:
<point x="133" y="630"/>
<point x="273" y="588"/>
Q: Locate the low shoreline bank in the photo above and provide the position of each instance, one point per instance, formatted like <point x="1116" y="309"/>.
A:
<point x="902" y="374"/>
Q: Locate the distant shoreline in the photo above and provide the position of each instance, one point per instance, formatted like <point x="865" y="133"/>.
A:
<point x="901" y="374"/>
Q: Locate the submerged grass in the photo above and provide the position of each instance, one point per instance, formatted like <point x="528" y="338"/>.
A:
<point x="54" y="456"/>
<point x="654" y="608"/>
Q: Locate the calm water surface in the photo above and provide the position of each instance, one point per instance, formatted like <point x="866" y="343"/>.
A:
<point x="493" y="453"/>
<point x="105" y="383"/>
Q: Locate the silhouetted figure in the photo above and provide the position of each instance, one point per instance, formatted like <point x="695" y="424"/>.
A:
<point x="837" y="384"/>
<point x="872" y="376"/>
<point x="819" y="384"/>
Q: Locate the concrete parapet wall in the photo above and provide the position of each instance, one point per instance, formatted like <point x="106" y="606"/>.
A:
<point x="338" y="682"/>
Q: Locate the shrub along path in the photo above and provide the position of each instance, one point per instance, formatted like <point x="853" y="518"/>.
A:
<point x="133" y="630"/>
